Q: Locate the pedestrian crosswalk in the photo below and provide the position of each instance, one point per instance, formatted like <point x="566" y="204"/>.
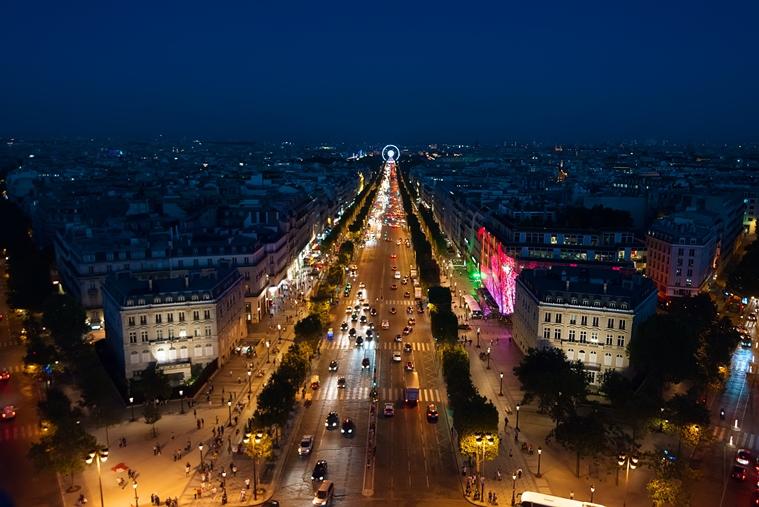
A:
<point x="346" y="344"/>
<point x="4" y="344"/>
<point x="10" y="431"/>
<point x="740" y="439"/>
<point x="331" y="393"/>
<point x="16" y="368"/>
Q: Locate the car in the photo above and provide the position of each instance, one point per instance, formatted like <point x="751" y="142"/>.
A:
<point x="420" y="309"/>
<point x="432" y="414"/>
<point x="410" y="310"/>
<point x="315" y="382"/>
<point x="393" y="287"/>
<point x="348" y="427"/>
<point x="332" y="420"/>
<point x="320" y="470"/>
<point x="306" y="445"/>
<point x="411" y="321"/>
<point x="344" y="326"/>
<point x="271" y="503"/>
<point x="404" y="281"/>
<point x="398" y="338"/>
<point x="373" y="312"/>
<point x="743" y="456"/>
<point x="333" y="365"/>
<point x="396" y="357"/>
<point x="393" y="256"/>
<point x="365" y="307"/>
<point x="348" y="310"/>
<point x="389" y="410"/>
<point x="9" y="412"/>
<point x="395" y="268"/>
<point x="346" y="293"/>
<point x="359" y="340"/>
<point x="324" y="494"/>
<point x="465" y="327"/>
<point x="352" y="332"/>
<point x="365" y="363"/>
<point x="407" y="348"/>
<point x="407" y="294"/>
<point x="371" y="325"/>
<point x="354" y="318"/>
<point x="739" y="473"/>
<point x="393" y="311"/>
<point x="369" y="334"/>
<point x="362" y="320"/>
<point x="385" y="324"/>
<point x="5" y="374"/>
<point x="356" y="309"/>
<point x="407" y="330"/>
<point x="409" y="366"/>
<point x="341" y="383"/>
<point x="362" y="285"/>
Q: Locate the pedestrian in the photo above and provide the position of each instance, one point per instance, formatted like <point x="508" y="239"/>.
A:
<point x="217" y="420"/>
<point x="572" y="495"/>
<point x="247" y="483"/>
<point x="195" y="413"/>
<point x="490" y="497"/>
<point x="197" y="423"/>
<point x="202" y="422"/>
<point x="187" y="469"/>
<point x="519" y="473"/>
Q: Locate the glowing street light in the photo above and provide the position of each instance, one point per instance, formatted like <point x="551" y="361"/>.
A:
<point x="540" y="453"/>
<point x="131" y="403"/>
<point x="98" y="456"/>
<point x="181" y="401"/>
<point x="500" y="391"/>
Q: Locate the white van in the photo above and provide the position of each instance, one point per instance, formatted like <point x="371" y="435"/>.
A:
<point x="324" y="494"/>
<point x="397" y="275"/>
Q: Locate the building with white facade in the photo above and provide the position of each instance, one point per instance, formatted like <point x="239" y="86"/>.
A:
<point x="590" y="314"/>
<point x="682" y="252"/>
<point x="182" y="324"/>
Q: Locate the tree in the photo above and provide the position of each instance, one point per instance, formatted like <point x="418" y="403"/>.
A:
<point x="477" y="443"/>
<point x="309" y="327"/>
<point x="444" y="325"/>
<point x="275" y="402"/>
<point x="440" y="297"/>
<point x="153" y="384"/>
<point x="65" y="318"/>
<point x="689" y="417"/>
<point x="668" y="487"/>
<point x="63" y="451"/>
<point x="151" y="414"/>
<point x="585" y="435"/>
<point x="39" y="352"/>
<point x="259" y="445"/>
<point x="474" y="414"/>
<point x="558" y="384"/>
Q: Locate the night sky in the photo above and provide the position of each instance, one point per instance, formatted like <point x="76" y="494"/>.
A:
<point x="405" y="72"/>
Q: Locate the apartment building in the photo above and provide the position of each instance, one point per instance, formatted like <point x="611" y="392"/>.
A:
<point x="182" y="323"/>
<point x="682" y="253"/>
<point x="589" y="313"/>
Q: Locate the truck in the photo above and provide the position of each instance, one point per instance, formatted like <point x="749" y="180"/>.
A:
<point x="417" y="293"/>
<point x="411" y="391"/>
<point x="413" y="273"/>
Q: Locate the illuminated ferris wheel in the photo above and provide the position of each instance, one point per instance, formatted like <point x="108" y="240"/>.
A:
<point x="391" y="153"/>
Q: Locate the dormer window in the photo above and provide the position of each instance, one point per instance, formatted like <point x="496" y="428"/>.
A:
<point x="597" y="303"/>
<point x="130" y="302"/>
<point x="180" y="298"/>
<point x="625" y="306"/>
<point x="573" y="301"/>
<point x="612" y="304"/>
<point x="194" y="297"/>
<point x="169" y="299"/>
<point x="206" y="296"/>
<point x="140" y="301"/>
<point x="157" y="301"/>
<point x="585" y="302"/>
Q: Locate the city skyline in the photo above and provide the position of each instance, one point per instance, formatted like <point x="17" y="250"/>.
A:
<point x="353" y="73"/>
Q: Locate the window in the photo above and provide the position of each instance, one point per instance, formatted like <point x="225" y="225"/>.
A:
<point x="146" y="356"/>
<point x="680" y="251"/>
<point x="208" y="330"/>
<point x="594" y="337"/>
<point x="198" y="350"/>
<point x="571" y="335"/>
<point x="159" y="334"/>
<point x="620" y="340"/>
<point x="690" y="273"/>
<point x="209" y="349"/>
<point x="143" y="336"/>
<point x="180" y="298"/>
<point x="184" y="352"/>
<point x="583" y="336"/>
<point x="607" y="359"/>
<point x="130" y="321"/>
<point x="206" y="314"/>
<point x="547" y="333"/>
<point x="181" y="316"/>
<point x="595" y="321"/>
<point x="593" y="357"/>
<point x="610" y="323"/>
<point x="622" y="324"/>
<point x="690" y="263"/>
<point x="584" y="320"/>
<point x="558" y="318"/>
<point x="609" y="340"/>
<point x="557" y="334"/>
<point x="169" y="317"/>
<point x="620" y="361"/>
<point x="573" y="301"/>
<point x="571" y="354"/>
<point x="171" y="332"/>
<point x="132" y="337"/>
<point x="547" y="317"/>
<point x="196" y="332"/>
<point x="195" y="315"/>
<point x="140" y="301"/>
<point x="157" y="318"/>
<point x="134" y="357"/>
<point x="572" y="319"/>
<point x="143" y="320"/>
<point x="692" y="252"/>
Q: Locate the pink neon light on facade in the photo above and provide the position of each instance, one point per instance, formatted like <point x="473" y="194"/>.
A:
<point x="499" y="271"/>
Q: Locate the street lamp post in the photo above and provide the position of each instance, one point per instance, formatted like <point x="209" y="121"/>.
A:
<point x="229" y="409"/>
<point x="500" y="391"/>
<point x="131" y="405"/>
<point x="540" y="453"/>
<point x="256" y="440"/>
<point x="518" y="407"/>
<point x="136" y="498"/>
<point x="478" y="337"/>
<point x="98" y="456"/>
<point x="592" y="492"/>
<point x="268" y="344"/>
<point x="200" y="448"/>
<point x="513" y="488"/>
<point x="488" y="367"/>
<point x="181" y="401"/>
<point x="250" y="374"/>
<point x="630" y="463"/>
<point x="279" y="330"/>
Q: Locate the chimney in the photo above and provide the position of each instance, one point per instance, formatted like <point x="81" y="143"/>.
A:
<point x="605" y="287"/>
<point x="567" y="284"/>
<point x="186" y="281"/>
<point x="150" y="284"/>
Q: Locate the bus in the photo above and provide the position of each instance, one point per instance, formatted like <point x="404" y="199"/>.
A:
<point x="475" y="312"/>
<point x="532" y="499"/>
<point x="411" y="391"/>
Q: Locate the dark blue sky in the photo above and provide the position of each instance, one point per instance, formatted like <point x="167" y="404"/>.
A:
<point x="401" y="72"/>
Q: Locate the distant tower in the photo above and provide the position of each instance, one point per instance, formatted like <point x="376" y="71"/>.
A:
<point x="562" y="173"/>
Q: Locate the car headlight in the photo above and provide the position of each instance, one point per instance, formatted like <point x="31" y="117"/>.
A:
<point x="350" y="431"/>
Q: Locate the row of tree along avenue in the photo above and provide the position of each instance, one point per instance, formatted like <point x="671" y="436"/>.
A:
<point x="429" y="271"/>
<point x="685" y="349"/>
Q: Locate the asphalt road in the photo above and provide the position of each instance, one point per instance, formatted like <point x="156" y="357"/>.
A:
<point x="414" y="462"/>
<point x="19" y="481"/>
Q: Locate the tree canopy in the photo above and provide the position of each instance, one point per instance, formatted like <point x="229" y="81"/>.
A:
<point x="585" y="435"/>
